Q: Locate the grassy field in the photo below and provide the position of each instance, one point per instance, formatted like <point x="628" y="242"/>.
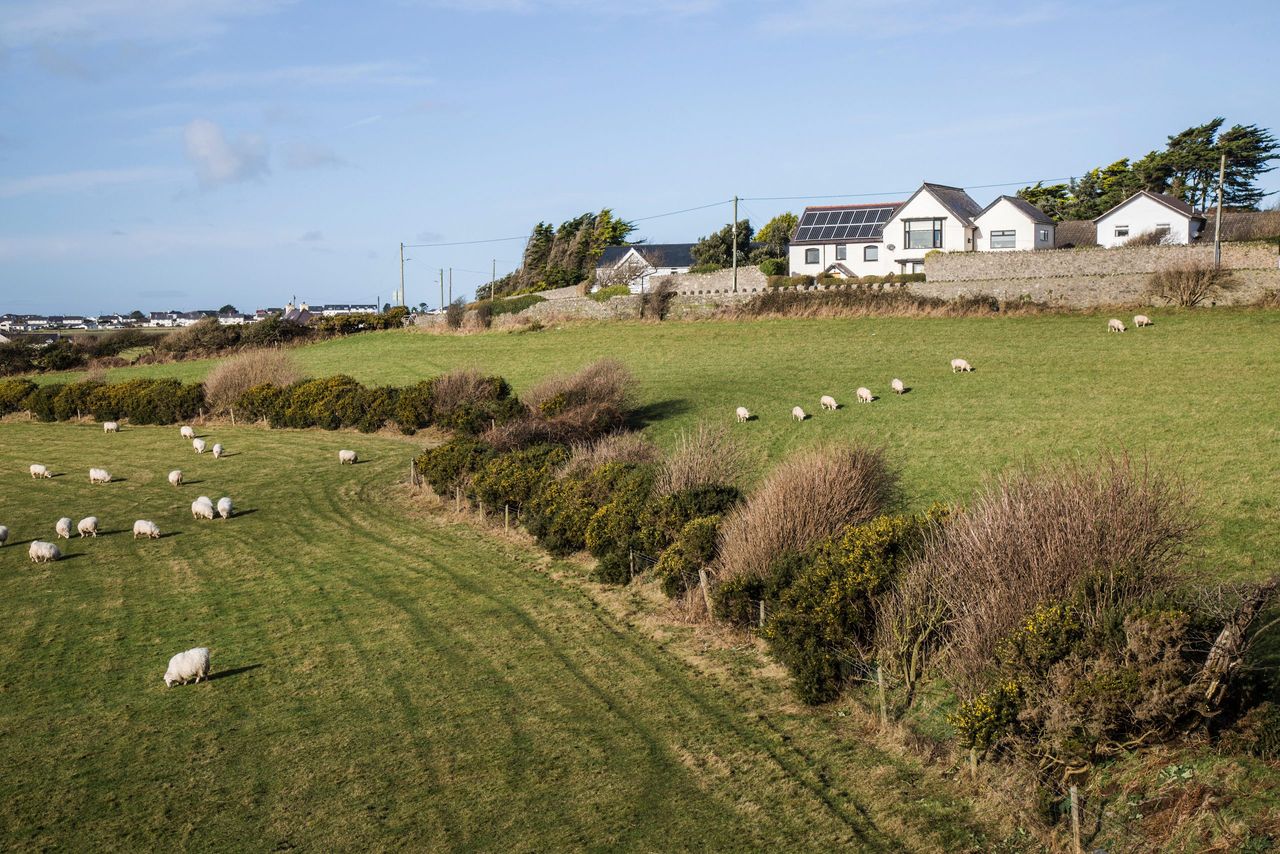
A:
<point x="1198" y="393"/>
<point x="383" y="678"/>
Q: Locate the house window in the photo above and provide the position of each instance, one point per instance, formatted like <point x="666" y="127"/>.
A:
<point x="913" y="266"/>
<point x="811" y="256"/>
<point x="1044" y="235"/>
<point x="842" y="252"/>
<point x="923" y="233"/>
<point x="1122" y="231"/>
<point x="871" y="253"/>
<point x="1004" y="239"/>
<point x="1163" y="228"/>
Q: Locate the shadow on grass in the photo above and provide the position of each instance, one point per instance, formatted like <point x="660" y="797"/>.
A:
<point x="652" y="413"/>
<point x="186" y="482"/>
<point x="67" y="557"/>
<point x="56" y="474"/>
<point x="249" y="512"/>
<point x="235" y="671"/>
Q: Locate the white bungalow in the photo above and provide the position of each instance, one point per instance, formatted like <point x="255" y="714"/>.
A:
<point x="1145" y="213"/>
<point x="635" y="265"/>
<point x="1012" y="223"/>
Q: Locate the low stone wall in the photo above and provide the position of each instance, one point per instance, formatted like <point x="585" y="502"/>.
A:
<point x="750" y="281"/>
<point x="616" y="308"/>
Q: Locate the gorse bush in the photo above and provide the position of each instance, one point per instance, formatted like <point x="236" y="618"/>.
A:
<point x="572" y="408"/>
<point x="470" y="402"/>
<point x="624" y="446"/>
<point x="450" y="466"/>
<point x="12" y="394"/>
<point x="693" y="549"/>
<point x="774" y="266"/>
<point x="558" y="515"/>
<point x="141" y="401"/>
<point x="606" y="294"/>
<point x="233" y="376"/>
<point x="512" y="479"/>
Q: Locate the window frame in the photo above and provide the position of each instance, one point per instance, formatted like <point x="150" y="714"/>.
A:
<point x="1121" y="231"/>
<point x="1010" y="234"/>
<point x="936" y="232"/>
<point x="870" y="253"/>
<point x="842" y="252"/>
<point x="813" y="253"/>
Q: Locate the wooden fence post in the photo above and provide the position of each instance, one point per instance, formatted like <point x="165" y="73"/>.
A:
<point x="973" y="763"/>
<point x="506" y="517"/>
<point x="457" y="499"/>
<point x="706" y="591"/>
<point x="762" y="613"/>
<point x="482" y="509"/>
<point x="631" y="556"/>
<point x="1075" y="821"/>
<point x="884" y="708"/>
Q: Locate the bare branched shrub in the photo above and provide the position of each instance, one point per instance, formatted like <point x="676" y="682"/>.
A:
<point x="237" y="374"/>
<point x="1106" y="535"/>
<point x="656" y="302"/>
<point x="808" y="497"/>
<point x="580" y="406"/>
<point x="1189" y="284"/>
<point x="1148" y="238"/>
<point x="460" y="388"/>
<point x="705" y="456"/>
<point x="625" y="446"/>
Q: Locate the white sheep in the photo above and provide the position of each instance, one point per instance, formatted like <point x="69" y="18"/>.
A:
<point x="88" y="526"/>
<point x="897" y="386"/>
<point x="798" y="414"/>
<point x="42" y="552"/>
<point x="1114" y="325"/>
<point x="99" y="476"/>
<point x="217" y="451"/>
<point x="202" y="508"/>
<point x="224" y="507"/>
<point x="4" y="534"/>
<point x="187" y="432"/>
<point x="63" y="527"/>
<point x="828" y="402"/>
<point x="175" y="477"/>
<point x="185" y="666"/>
<point x="960" y="365"/>
<point x="110" y="427"/>
<point x="1141" y="320"/>
<point x="198" y="444"/>
<point x="865" y="395"/>
<point x="144" y="528"/>
<point x="347" y="457"/>
<point x="743" y="414"/>
<point x="38" y="470"/>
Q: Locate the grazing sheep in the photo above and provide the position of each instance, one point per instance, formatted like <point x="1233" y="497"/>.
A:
<point x="198" y="444"/>
<point x="38" y="470"/>
<point x="88" y="526"/>
<point x="175" y="477"/>
<point x="224" y="507"/>
<point x="798" y="414"/>
<point x="828" y="402"/>
<point x="744" y="414"/>
<point x="110" y="427"/>
<point x="185" y="666"/>
<point x="960" y="365"/>
<point x="187" y="432"/>
<point x="4" y="534"/>
<point x="1114" y="325"/>
<point x="99" y="476"/>
<point x="202" y="508"/>
<point x="143" y="528"/>
<point x="1141" y="320"/>
<point x="217" y="451"/>
<point x="346" y="457"/>
<point x="865" y="395"/>
<point x="897" y="386"/>
<point x="63" y="527"/>
<point x="42" y="552"/>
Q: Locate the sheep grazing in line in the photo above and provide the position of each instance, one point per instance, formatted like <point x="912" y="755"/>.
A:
<point x="110" y="427"/>
<point x="865" y="395"/>
<point x="1141" y="320"/>
<point x="346" y="457"/>
<point x="217" y="451"/>
<point x="99" y="476"/>
<point x="198" y="444"/>
<point x="4" y="535"/>
<point x="187" y="432"/>
<point x="798" y="414"/>
<point x="185" y="666"/>
<point x="224" y="507"/>
<point x="88" y="526"/>
<point x="828" y="402"/>
<point x="144" y="528"/>
<point x="63" y="527"/>
<point x="897" y="386"/>
<point x="175" y="477"/>
<point x="202" y="508"/>
<point x="1114" y="325"/>
<point x="38" y="470"/>
<point x="744" y="414"/>
<point x="958" y="365"/>
<point x="42" y="552"/>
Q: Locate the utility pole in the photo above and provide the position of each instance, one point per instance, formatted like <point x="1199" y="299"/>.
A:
<point x="402" y="272"/>
<point x="735" y="244"/>
<point x="450" y="285"/>
<point x="493" y="279"/>
<point x="1217" y="222"/>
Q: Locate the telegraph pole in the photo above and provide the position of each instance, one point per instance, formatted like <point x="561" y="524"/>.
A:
<point x="450" y="284"/>
<point x="401" y="272"/>
<point x="442" y="288"/>
<point x="735" y="244"/>
<point x="1217" y="222"/>
<point x="493" y="280"/>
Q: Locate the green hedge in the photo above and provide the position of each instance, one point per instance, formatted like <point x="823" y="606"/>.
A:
<point x="606" y="294"/>
<point x="142" y="401"/>
<point x="517" y="304"/>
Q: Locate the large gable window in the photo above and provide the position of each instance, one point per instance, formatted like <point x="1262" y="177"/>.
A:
<point x="923" y="233"/>
<point x="1004" y="239"/>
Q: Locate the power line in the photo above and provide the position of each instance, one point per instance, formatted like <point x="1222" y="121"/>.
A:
<point x="895" y="192"/>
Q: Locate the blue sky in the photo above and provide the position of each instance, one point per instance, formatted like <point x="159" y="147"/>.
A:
<point x="188" y="153"/>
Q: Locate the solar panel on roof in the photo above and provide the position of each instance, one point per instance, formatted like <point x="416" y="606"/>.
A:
<point x="846" y="217"/>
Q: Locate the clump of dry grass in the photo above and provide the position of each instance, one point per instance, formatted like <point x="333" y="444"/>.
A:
<point x="241" y="372"/>
<point x="866" y="302"/>
<point x="805" y="499"/>
<point x="705" y="456"/>
<point x="1189" y="284"/>
<point x="625" y="446"/>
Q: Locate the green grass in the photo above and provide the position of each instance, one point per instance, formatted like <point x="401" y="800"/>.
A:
<point x="382" y="679"/>
<point x="1198" y="393"/>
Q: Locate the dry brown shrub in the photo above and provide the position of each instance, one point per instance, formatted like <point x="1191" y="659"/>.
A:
<point x="625" y="446"/>
<point x="581" y="406"/>
<point x="808" y="497"/>
<point x="656" y="302"/>
<point x="459" y="388"/>
<point x="705" y="456"/>
<point x="1189" y="284"/>
<point x="239" y="373"/>
<point x="1267" y="299"/>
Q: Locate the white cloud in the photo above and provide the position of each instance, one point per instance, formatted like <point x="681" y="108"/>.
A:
<point x="81" y="181"/>
<point x="218" y="160"/>
<point x="345" y="74"/>
<point x="29" y="22"/>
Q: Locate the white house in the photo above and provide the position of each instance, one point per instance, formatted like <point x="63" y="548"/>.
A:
<point x="885" y="237"/>
<point x="1144" y="213"/>
<point x="1012" y="223"/>
<point x="636" y="265"/>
